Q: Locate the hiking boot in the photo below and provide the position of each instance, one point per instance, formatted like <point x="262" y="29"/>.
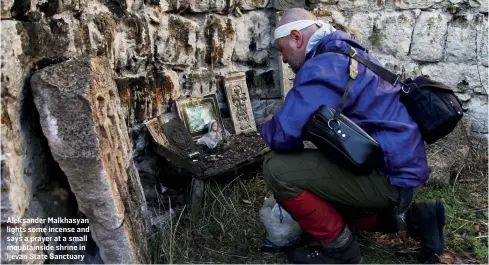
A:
<point x="425" y="223"/>
<point x="343" y="250"/>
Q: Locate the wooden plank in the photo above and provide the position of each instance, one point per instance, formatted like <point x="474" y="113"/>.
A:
<point x="239" y="103"/>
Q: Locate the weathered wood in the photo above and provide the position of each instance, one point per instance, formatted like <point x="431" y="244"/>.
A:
<point x="197" y="192"/>
<point x="174" y="143"/>
<point x="178" y="160"/>
<point x="177" y="149"/>
<point x="239" y="103"/>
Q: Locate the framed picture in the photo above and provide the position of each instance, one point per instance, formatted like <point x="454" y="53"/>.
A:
<point x="197" y="112"/>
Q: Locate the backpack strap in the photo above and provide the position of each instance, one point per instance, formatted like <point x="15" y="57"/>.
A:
<point x="379" y="70"/>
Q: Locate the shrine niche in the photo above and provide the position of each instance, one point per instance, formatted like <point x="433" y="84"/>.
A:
<point x="239" y="103"/>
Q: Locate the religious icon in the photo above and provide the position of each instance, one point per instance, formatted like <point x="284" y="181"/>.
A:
<point x="197" y="112"/>
<point x="213" y="135"/>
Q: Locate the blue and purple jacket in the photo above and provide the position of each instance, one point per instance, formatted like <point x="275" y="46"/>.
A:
<point x="372" y="103"/>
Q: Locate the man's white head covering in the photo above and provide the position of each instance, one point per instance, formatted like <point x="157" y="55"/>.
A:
<point x="324" y="29"/>
<point x="285" y="29"/>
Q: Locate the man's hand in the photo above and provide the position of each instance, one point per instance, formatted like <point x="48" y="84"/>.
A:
<point x="269" y="117"/>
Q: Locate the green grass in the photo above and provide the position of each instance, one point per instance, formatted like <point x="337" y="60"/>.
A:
<point x="467" y="220"/>
<point x="229" y="229"/>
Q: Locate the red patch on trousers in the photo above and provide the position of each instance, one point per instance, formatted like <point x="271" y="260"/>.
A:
<point x="316" y="216"/>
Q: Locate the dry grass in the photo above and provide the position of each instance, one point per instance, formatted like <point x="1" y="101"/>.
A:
<point x="229" y="229"/>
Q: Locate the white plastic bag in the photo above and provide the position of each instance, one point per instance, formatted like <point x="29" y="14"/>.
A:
<point x="281" y="229"/>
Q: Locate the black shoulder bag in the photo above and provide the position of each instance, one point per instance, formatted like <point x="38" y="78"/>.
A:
<point x="340" y="139"/>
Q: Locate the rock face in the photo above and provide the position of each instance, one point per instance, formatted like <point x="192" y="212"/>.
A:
<point x="176" y="41"/>
<point x="12" y="144"/>
<point x="80" y="114"/>
<point x="33" y="186"/>
<point x="428" y="37"/>
<point x="448" y="155"/>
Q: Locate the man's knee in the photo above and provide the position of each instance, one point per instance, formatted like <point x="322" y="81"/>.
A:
<point x="276" y="178"/>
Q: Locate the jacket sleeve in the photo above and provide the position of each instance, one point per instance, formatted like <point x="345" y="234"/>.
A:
<point x="312" y="88"/>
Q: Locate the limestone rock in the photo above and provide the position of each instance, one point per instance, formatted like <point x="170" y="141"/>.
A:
<point x="481" y="4"/>
<point x="132" y="46"/>
<point x="71" y="5"/>
<point x="253" y="4"/>
<point x="482" y="46"/>
<point x="484" y="6"/>
<point x="461" y="77"/>
<point x="98" y="30"/>
<point x="176" y="41"/>
<point x="221" y="35"/>
<point x="199" y="83"/>
<point x="177" y="5"/>
<point x="80" y="116"/>
<point x="392" y="34"/>
<point x="428" y="37"/>
<point x="253" y="38"/>
<point x="326" y="2"/>
<point x="287" y="77"/>
<point x="477" y="106"/>
<point x="446" y="156"/>
<point x="264" y="107"/>
<point x="360" y="5"/>
<point x="462" y="40"/>
<point x="207" y="5"/>
<point x="61" y="36"/>
<point x="363" y="24"/>
<point x="15" y="196"/>
<point x="412" y="4"/>
<point x="144" y="97"/>
<point x="263" y="84"/>
<point x="31" y="186"/>
<point x="6" y="5"/>
<point x="171" y="86"/>
<point x="288" y="4"/>
<point x="396" y="66"/>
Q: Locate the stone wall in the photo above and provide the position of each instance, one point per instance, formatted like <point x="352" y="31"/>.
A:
<point x="161" y="50"/>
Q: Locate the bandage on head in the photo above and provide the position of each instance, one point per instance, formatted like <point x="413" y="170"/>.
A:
<point x="285" y="29"/>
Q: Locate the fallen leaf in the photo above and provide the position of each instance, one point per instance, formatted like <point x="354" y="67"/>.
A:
<point x="447" y="258"/>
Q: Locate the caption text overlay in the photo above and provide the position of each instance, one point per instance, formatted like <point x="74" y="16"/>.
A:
<point x="42" y="239"/>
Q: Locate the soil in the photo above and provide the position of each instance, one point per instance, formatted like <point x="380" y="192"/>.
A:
<point x="231" y="151"/>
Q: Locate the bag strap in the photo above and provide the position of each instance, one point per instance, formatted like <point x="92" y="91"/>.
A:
<point x="353" y="72"/>
<point x="379" y="70"/>
<point x="352" y="75"/>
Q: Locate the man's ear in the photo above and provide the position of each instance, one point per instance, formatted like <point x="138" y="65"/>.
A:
<point x="296" y="38"/>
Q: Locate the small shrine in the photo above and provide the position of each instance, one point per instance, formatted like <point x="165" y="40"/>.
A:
<point x="198" y="142"/>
